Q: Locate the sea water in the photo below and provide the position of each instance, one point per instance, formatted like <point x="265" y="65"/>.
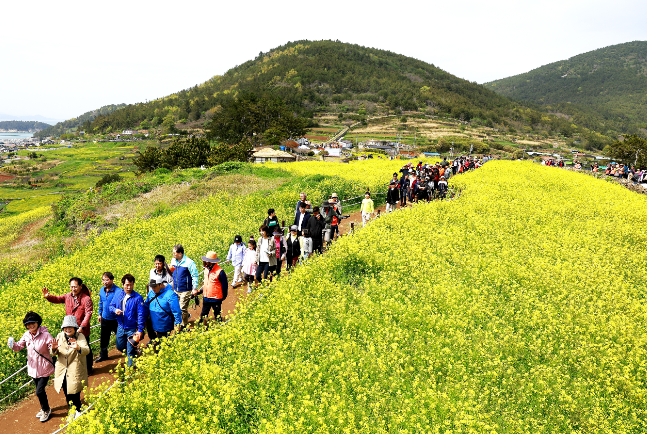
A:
<point x="15" y="135"/>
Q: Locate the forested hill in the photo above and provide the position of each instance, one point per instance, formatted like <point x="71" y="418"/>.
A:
<point x="606" y="86"/>
<point x="72" y="125"/>
<point x="316" y="76"/>
<point x="23" y="126"/>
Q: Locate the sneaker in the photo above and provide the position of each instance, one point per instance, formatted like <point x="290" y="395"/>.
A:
<point x="39" y="414"/>
<point x="77" y="415"/>
<point x="101" y="358"/>
<point x="249" y="290"/>
<point x="45" y="416"/>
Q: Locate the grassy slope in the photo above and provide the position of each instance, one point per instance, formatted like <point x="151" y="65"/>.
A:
<point x="503" y="311"/>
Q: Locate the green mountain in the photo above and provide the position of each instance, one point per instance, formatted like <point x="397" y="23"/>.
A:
<point x="72" y="125"/>
<point x="604" y="89"/>
<point x="325" y="76"/>
<point x="23" y="126"/>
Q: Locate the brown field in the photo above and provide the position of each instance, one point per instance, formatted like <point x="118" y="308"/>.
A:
<point x="5" y="177"/>
<point x="309" y="137"/>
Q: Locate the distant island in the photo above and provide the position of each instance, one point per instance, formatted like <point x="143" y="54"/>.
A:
<point x="22" y="126"/>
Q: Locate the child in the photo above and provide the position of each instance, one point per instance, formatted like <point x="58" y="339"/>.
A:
<point x="235" y="257"/>
<point x="367" y="208"/>
<point x="249" y="264"/>
<point x="307" y="244"/>
<point x="442" y="188"/>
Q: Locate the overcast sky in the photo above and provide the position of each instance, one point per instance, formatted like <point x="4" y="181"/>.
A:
<point x="61" y="59"/>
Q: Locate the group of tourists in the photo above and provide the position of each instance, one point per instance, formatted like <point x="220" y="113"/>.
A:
<point x="616" y="170"/>
<point x="426" y="182"/>
<point x="122" y="311"/>
<point x="170" y="287"/>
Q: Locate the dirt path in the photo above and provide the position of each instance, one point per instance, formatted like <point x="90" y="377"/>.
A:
<point x="20" y="418"/>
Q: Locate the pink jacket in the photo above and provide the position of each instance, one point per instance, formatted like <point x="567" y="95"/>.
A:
<point x="37" y="366"/>
<point x="81" y="307"/>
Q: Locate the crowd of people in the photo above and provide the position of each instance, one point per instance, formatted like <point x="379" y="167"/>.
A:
<point x="616" y="170"/>
<point x="171" y="287"/>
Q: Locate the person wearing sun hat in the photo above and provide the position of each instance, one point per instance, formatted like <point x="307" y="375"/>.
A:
<point x="71" y="374"/>
<point x="39" y="362"/>
<point x="214" y="289"/>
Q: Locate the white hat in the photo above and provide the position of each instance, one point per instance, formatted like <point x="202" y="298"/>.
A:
<point x="69" y="321"/>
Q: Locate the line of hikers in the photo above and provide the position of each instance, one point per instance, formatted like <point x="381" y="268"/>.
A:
<point x="170" y="288"/>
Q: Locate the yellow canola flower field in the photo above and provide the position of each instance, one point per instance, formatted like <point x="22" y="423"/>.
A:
<point x="10" y="226"/>
<point x="209" y="224"/>
<point x="518" y="308"/>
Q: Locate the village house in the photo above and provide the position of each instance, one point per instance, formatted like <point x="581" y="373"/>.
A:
<point x="264" y="155"/>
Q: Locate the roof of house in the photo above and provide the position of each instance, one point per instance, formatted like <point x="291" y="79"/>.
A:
<point x="271" y="153"/>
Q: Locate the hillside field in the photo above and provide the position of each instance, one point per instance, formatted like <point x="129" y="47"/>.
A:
<point x="518" y="307"/>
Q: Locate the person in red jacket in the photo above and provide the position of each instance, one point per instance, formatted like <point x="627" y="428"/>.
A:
<point x="78" y="302"/>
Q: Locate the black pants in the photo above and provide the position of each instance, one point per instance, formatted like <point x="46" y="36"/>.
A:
<point x="317" y="245"/>
<point x="207" y="306"/>
<point x="90" y="359"/>
<point x="41" y="383"/>
<point x="74" y="397"/>
<point x="108" y="326"/>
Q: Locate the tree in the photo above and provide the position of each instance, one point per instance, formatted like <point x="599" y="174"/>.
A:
<point x="254" y="119"/>
<point x="633" y="150"/>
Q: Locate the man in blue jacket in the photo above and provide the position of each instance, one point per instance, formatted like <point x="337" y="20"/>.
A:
<point x="107" y="319"/>
<point x="185" y="280"/>
<point x="163" y="307"/>
<point x="128" y="306"/>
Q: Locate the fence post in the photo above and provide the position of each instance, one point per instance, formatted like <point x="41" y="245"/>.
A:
<point x="352" y="227"/>
<point x="282" y="223"/>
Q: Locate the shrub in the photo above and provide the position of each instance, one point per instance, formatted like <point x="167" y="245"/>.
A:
<point x="107" y="179"/>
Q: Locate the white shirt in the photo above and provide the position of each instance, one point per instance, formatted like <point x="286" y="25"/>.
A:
<point x="301" y="220"/>
<point x="123" y="302"/>
<point x="264" y="247"/>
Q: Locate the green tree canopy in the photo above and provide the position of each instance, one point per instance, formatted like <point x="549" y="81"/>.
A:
<point x="255" y="119"/>
<point x="632" y="150"/>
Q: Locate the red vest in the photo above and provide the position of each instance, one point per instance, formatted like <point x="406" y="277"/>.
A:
<point x="212" y="287"/>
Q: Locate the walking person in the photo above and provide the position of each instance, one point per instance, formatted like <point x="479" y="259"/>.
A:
<point x="71" y="372"/>
<point x="265" y="254"/>
<point x="404" y="189"/>
<point x="235" y="257"/>
<point x="161" y="269"/>
<point x="185" y="280"/>
<point x="128" y="306"/>
<point x="308" y="245"/>
<point x="315" y="226"/>
<point x="214" y="289"/>
<point x="249" y="264"/>
<point x="163" y="309"/>
<point x="281" y="250"/>
<point x="367" y="208"/>
<point x="301" y="219"/>
<point x="78" y="302"/>
<point x="294" y="248"/>
<point x="330" y="216"/>
<point x="39" y="361"/>
<point x="336" y="219"/>
<point x="107" y="319"/>
<point x="392" y="196"/>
